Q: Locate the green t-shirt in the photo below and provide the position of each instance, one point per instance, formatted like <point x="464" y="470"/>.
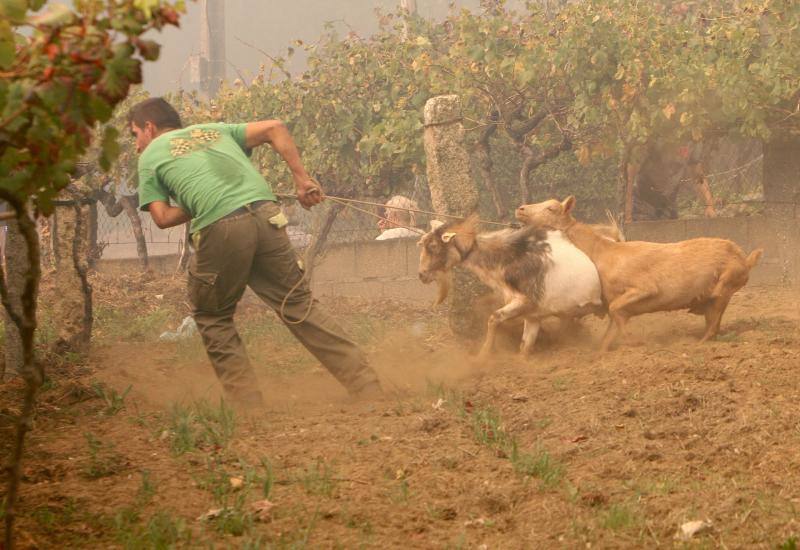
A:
<point x="205" y="168"/>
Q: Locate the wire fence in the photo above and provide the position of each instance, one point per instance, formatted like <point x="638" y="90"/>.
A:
<point x="733" y="169"/>
<point x="117" y="238"/>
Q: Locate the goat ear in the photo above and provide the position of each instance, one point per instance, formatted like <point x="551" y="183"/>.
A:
<point x="447" y="236"/>
<point x="465" y="231"/>
<point x="568" y="204"/>
<point x="436" y="224"/>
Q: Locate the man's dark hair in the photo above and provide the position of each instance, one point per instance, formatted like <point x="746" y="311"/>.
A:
<point x="155" y="110"/>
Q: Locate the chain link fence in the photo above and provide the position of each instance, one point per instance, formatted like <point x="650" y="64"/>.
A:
<point x="733" y="169"/>
<point x="117" y="239"/>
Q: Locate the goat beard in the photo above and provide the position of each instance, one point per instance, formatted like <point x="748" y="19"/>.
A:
<point x="443" y="285"/>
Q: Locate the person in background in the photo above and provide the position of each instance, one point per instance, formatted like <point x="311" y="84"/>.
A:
<point x="239" y="236"/>
<point x="398" y="219"/>
<point x="667" y="168"/>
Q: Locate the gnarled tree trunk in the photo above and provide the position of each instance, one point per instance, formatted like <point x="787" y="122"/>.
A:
<point x="484" y="153"/>
<point x="73" y="307"/>
<point x="32" y="371"/>
<point x="16" y="265"/>
<point x="130" y="205"/>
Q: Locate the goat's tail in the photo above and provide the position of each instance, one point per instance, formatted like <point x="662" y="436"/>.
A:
<point x="615" y="224"/>
<point x="753" y="258"/>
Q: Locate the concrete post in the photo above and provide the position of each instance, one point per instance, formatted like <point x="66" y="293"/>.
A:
<point x="212" y="46"/>
<point x="453" y="192"/>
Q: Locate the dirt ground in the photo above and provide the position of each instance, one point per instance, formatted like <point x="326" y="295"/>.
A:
<point x="569" y="449"/>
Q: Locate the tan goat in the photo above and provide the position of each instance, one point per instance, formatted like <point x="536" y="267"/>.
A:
<point x="640" y="277"/>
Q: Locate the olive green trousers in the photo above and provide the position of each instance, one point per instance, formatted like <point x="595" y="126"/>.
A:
<point x="248" y="250"/>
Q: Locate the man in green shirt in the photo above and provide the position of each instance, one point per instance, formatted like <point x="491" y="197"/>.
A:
<point x="239" y="236"/>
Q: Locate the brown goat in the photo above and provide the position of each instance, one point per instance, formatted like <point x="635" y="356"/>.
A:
<point x="539" y="273"/>
<point x="611" y="230"/>
<point x="640" y="277"/>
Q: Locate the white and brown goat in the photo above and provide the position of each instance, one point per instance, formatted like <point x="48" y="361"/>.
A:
<point x="640" y="277"/>
<point x="539" y="273"/>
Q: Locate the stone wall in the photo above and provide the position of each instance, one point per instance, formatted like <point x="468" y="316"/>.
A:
<point x="379" y="270"/>
<point x="373" y="270"/>
<point x="780" y="239"/>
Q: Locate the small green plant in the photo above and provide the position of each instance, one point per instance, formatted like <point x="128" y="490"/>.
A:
<point x="199" y="425"/>
<point x="147" y="489"/>
<point x="789" y="544"/>
<point x="543" y="423"/>
<point x="181" y="425"/>
<point x="235" y="519"/>
<point x="48" y="384"/>
<point x="218" y="423"/>
<point x="487" y="428"/>
<point x="71" y="358"/>
<point x="440" y="513"/>
<point x="215" y="480"/>
<point x="317" y="479"/>
<point x="540" y="465"/>
<point x="460" y="543"/>
<point x="52" y="516"/>
<point x="103" y="460"/>
<point x="401" y="492"/>
<point x="730" y="336"/>
<point x="452" y="399"/>
<point x="161" y="531"/>
<point x="46" y="333"/>
<point x="358" y="522"/>
<point x="619" y="517"/>
<point x="45" y="516"/>
<point x="113" y="400"/>
<point x="253" y="544"/>
<point x="116" y="324"/>
<point x="267" y="480"/>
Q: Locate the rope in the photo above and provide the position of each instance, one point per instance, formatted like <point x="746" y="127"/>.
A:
<point x="368" y="203"/>
<point x="343" y="202"/>
<point x="350" y="203"/>
<point x="374" y="215"/>
<point x="282" y="310"/>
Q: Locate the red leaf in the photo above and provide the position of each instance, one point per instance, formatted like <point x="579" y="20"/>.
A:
<point x="52" y="51"/>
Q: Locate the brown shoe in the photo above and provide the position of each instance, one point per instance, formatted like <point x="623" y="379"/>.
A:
<point x="246" y="401"/>
<point x="368" y="392"/>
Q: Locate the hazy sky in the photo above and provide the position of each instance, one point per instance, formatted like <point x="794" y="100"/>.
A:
<point x="269" y="25"/>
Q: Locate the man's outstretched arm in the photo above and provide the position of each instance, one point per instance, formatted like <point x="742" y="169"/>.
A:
<point x="166" y="216"/>
<point x="277" y="135"/>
